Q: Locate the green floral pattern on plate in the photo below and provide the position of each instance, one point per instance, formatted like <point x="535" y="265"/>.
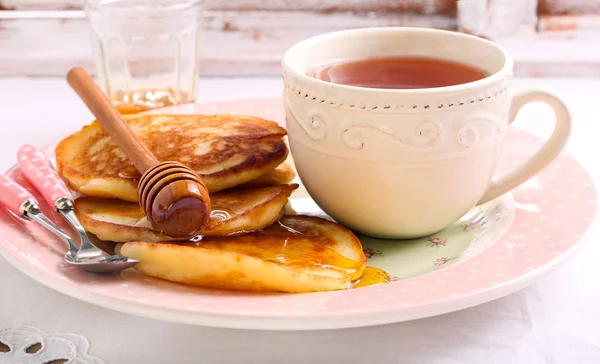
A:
<point x="471" y="235"/>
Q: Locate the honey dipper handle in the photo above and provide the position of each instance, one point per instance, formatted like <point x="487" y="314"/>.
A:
<point x="110" y="118"/>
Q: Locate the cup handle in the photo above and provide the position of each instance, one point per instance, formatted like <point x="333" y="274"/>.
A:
<point x="511" y="179"/>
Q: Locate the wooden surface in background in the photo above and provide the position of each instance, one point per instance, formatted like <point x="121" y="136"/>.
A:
<point x="568" y="7"/>
<point x="327" y="6"/>
<point x="569" y="15"/>
<point x="251" y="43"/>
<point x="248" y="37"/>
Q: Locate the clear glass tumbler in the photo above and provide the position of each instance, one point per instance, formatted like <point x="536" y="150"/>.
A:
<point x="146" y="51"/>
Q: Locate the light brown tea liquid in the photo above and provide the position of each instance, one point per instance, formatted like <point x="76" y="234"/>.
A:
<point x="398" y="73"/>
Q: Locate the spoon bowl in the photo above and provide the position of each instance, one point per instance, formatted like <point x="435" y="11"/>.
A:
<point x="109" y="264"/>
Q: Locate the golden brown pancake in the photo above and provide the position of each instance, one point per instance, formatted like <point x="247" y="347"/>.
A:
<point x="233" y="212"/>
<point x="226" y="150"/>
<point x="283" y="174"/>
<point x="296" y="254"/>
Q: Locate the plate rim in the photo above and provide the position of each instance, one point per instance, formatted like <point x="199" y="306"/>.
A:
<point x="299" y="323"/>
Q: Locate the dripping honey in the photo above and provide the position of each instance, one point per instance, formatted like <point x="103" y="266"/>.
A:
<point x="372" y="276"/>
<point x="287" y="247"/>
<point x="221" y="214"/>
<point x="295" y="250"/>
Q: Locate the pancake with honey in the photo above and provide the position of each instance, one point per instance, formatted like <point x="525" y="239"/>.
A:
<point x="283" y="174"/>
<point x="297" y="254"/>
<point x="233" y="211"/>
<point x="226" y="150"/>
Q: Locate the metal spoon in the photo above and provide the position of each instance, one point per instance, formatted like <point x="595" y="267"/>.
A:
<point x="37" y="169"/>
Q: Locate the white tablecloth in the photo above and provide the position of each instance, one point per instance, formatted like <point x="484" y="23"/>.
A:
<point x="557" y="320"/>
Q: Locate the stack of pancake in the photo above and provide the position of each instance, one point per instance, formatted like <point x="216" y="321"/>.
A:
<point x="248" y="243"/>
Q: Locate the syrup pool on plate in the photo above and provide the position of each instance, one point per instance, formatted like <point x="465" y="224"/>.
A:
<point x="372" y="276"/>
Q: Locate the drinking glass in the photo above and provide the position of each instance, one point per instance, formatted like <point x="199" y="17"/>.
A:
<point x="146" y="51"/>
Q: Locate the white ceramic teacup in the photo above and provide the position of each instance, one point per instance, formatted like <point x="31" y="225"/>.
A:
<point x="406" y="163"/>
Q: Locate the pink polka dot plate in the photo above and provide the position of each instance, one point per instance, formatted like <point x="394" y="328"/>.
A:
<point x="494" y="250"/>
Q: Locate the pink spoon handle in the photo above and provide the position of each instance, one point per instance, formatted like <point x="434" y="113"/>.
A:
<point x="37" y="169"/>
<point x="12" y="195"/>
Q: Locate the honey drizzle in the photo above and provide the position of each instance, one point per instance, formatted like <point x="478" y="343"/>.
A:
<point x="288" y="247"/>
<point x="221" y="214"/>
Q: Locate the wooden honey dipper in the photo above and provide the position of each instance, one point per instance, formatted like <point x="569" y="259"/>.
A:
<point x="174" y="197"/>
